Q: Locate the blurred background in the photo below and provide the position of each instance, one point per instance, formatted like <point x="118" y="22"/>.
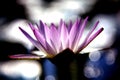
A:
<point x="99" y="61"/>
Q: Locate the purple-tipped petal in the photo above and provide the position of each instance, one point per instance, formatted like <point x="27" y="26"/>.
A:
<point x="40" y="37"/>
<point x="62" y="23"/>
<point x="31" y="26"/>
<point x="91" y="39"/>
<point x="94" y="36"/>
<point x="87" y="37"/>
<point x="41" y="28"/>
<point x="70" y="26"/>
<point x="34" y="42"/>
<point x="28" y="36"/>
<point x="72" y="34"/>
<point x="79" y="32"/>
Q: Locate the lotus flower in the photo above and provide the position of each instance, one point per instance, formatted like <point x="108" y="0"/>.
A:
<point x="54" y="39"/>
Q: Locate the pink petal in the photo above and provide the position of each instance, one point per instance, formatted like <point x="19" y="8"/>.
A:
<point x="25" y="56"/>
<point x="55" y="37"/>
<point x="47" y="34"/>
<point x="64" y="36"/>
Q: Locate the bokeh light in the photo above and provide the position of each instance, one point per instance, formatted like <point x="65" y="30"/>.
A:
<point x="21" y="68"/>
